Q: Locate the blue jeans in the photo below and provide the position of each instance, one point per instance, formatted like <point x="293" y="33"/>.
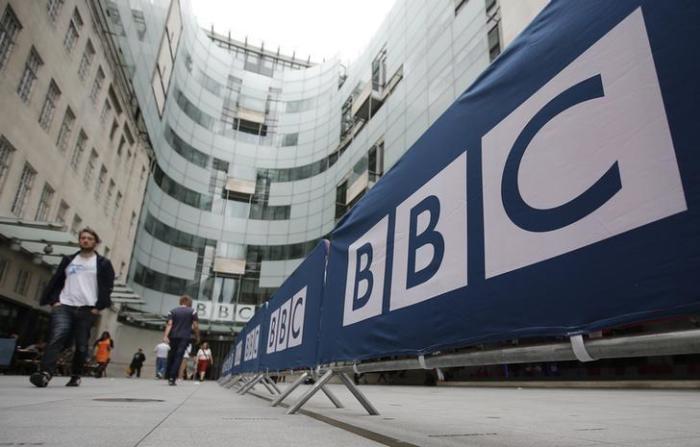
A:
<point x="161" y="364"/>
<point x="69" y="324"/>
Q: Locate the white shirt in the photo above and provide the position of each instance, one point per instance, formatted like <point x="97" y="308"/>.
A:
<point x="80" y="288"/>
<point x="162" y="350"/>
<point x="204" y="354"/>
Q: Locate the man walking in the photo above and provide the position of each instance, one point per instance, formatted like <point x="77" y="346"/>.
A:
<point x="137" y="363"/>
<point x="161" y="351"/>
<point x="79" y="289"/>
<point x="178" y="332"/>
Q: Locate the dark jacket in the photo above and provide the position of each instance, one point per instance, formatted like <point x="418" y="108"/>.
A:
<point x="105" y="282"/>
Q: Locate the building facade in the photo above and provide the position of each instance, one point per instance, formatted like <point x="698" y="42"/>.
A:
<point x="259" y="154"/>
<point x="72" y="150"/>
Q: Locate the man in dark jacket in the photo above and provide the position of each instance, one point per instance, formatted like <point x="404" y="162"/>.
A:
<point x="79" y="289"/>
<point x="137" y="363"/>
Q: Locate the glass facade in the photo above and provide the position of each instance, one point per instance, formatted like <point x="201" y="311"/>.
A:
<point x="259" y="154"/>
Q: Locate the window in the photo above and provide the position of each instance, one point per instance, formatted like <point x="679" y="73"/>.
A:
<point x="189" y="152"/>
<point x="42" y="212"/>
<point x="290" y="139"/>
<point x="6" y="151"/>
<point x="160" y="82"/>
<point x="379" y="71"/>
<point x="78" y="151"/>
<point x="101" y="179"/>
<point x="71" y="37"/>
<point x="76" y="225"/>
<point x="132" y="223"/>
<point x="52" y="96"/>
<point x="90" y="168"/>
<point x="493" y="20"/>
<point x="106" y="111"/>
<point x="340" y="195"/>
<point x="494" y="43"/>
<point x="122" y="142"/>
<point x="9" y="28"/>
<point x="22" y="283"/>
<point x="40" y="290"/>
<point x="73" y="33"/>
<point x="62" y="211"/>
<point x="459" y="4"/>
<point x="31" y="67"/>
<point x="117" y="205"/>
<point x="140" y="22"/>
<point x="54" y="8"/>
<point x="97" y="85"/>
<point x="77" y="20"/>
<point x="4" y="268"/>
<point x="26" y="182"/>
<point x="110" y="193"/>
<point x="113" y="130"/>
<point x="86" y="60"/>
<point x="376" y="161"/>
<point x="66" y="129"/>
<point x="115" y="102"/>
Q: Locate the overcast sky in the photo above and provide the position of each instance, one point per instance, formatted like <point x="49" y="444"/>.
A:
<point x="319" y="28"/>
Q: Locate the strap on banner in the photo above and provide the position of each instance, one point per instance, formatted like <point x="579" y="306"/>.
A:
<point x="579" y="348"/>
<point x="421" y="361"/>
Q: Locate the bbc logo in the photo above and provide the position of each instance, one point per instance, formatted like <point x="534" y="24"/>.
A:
<point x="587" y="157"/>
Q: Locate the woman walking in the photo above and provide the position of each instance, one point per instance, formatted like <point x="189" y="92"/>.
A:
<point x="103" y="349"/>
<point x="204" y="360"/>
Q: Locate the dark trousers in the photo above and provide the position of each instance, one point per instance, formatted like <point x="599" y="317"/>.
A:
<point x="175" y="356"/>
<point x="135" y="369"/>
<point x="68" y="324"/>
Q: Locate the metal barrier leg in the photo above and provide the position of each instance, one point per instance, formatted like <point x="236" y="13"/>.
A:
<point x="266" y="385"/>
<point x="239" y="383"/>
<point x="290" y="389"/>
<point x="273" y="385"/>
<point x="244" y="381"/>
<point x="303" y="399"/>
<point x="331" y="396"/>
<point x="247" y="387"/>
<point x="358" y="394"/>
<point x="230" y="382"/>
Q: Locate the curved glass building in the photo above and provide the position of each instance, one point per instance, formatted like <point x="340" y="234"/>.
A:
<point x="258" y="154"/>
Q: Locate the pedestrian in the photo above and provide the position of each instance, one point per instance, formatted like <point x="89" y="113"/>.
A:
<point x="78" y="290"/>
<point x="182" y="371"/>
<point x="161" y="351"/>
<point x="182" y="320"/>
<point x="103" y="350"/>
<point x="137" y="363"/>
<point x="204" y="360"/>
<point x="191" y="365"/>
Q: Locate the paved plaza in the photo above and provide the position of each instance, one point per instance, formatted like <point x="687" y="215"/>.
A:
<point x="145" y="412"/>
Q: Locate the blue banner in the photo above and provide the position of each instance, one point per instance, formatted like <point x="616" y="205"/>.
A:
<point x="558" y="195"/>
<point x="251" y="347"/>
<point x="293" y="316"/>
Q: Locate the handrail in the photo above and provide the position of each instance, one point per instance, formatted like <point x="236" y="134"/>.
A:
<point x="670" y="343"/>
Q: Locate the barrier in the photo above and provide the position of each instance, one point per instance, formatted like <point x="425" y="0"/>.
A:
<point x="556" y="197"/>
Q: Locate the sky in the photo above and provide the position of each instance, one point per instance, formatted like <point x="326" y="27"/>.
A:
<point x="322" y="29"/>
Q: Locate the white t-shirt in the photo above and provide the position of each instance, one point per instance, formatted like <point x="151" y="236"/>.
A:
<point x="162" y="350"/>
<point x="80" y="288"/>
<point x="204" y="354"/>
